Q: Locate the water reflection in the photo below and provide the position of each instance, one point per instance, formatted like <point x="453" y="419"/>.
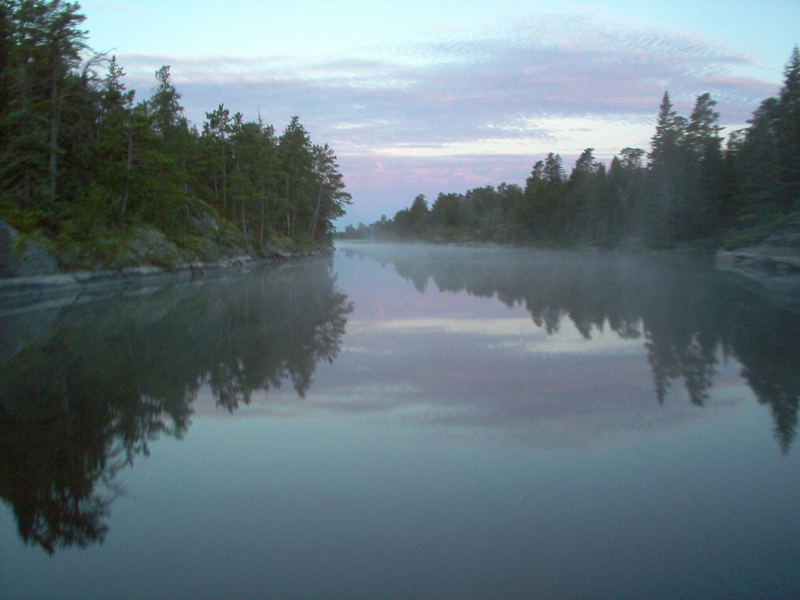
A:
<point x="689" y="316"/>
<point x="84" y="388"/>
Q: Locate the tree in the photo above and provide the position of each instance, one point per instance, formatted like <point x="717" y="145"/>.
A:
<point x="632" y="158"/>
<point x="65" y="41"/>
<point x="585" y="209"/>
<point x="294" y="149"/>
<point x="553" y="172"/>
<point x="164" y="104"/>
<point x="254" y="178"/>
<point x="41" y="47"/>
<point x="668" y="181"/>
<point x="419" y="214"/>
<point x="447" y="210"/>
<point x="670" y="129"/>
<point x="788" y="130"/>
<point x="702" y="146"/>
<point x="79" y="159"/>
<point x="537" y="174"/>
<point x="115" y="137"/>
<point x="626" y="191"/>
<point x="218" y="128"/>
<point x="331" y="195"/>
<point x="585" y="165"/>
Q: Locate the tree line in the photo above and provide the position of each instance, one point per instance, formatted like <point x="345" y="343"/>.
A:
<point x="79" y="155"/>
<point x="687" y="189"/>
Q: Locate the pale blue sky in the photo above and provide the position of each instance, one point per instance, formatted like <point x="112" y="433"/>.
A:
<point x="440" y="96"/>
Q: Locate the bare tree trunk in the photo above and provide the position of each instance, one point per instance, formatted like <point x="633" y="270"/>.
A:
<point x="244" y="225"/>
<point x="23" y="86"/>
<point x="313" y="229"/>
<point x="224" y="178"/>
<point x="288" y="209"/>
<point x="55" y="122"/>
<point x="128" y="169"/>
<point x="263" y="217"/>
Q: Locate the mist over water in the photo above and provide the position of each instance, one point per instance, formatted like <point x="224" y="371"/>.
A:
<point x="407" y="421"/>
<point x="693" y="324"/>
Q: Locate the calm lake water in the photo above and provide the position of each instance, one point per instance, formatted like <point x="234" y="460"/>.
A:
<point x="406" y="422"/>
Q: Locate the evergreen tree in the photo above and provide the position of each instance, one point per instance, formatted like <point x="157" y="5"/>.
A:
<point x="667" y="176"/>
<point x="447" y="211"/>
<point x="788" y="131"/>
<point x="294" y="149"/>
<point x="584" y="201"/>
<point x="553" y="172"/>
<point x="115" y="140"/>
<point x="331" y="195"/>
<point x="759" y="190"/>
<point x="626" y="190"/>
<point x="217" y="129"/>
<point x="41" y="48"/>
<point x="419" y="214"/>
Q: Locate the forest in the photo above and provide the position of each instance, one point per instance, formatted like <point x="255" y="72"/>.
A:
<point x="91" y="173"/>
<point x="687" y="191"/>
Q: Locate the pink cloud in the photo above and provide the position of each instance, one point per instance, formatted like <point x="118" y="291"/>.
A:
<point x="462" y="91"/>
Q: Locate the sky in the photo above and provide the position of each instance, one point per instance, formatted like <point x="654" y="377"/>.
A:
<point x="443" y="96"/>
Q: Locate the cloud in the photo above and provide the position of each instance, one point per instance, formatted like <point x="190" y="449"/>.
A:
<point x="554" y="83"/>
<point x="499" y="377"/>
<point x="465" y="89"/>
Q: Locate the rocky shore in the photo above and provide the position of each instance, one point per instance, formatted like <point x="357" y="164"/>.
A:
<point x="778" y="254"/>
<point x="774" y="263"/>
<point x="30" y="271"/>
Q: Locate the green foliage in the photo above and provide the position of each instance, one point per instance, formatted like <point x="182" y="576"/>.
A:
<point x="84" y="163"/>
<point x="21" y="219"/>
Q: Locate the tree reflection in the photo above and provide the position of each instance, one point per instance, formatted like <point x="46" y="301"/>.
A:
<point x="83" y="398"/>
<point x="689" y="315"/>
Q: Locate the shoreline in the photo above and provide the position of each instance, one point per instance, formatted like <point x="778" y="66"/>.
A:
<point x="24" y="292"/>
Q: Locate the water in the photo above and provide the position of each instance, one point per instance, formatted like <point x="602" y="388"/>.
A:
<point x="406" y="422"/>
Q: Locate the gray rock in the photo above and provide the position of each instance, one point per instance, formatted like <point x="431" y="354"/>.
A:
<point x="22" y="258"/>
<point x="774" y="263"/>
<point x="783" y="240"/>
<point x="142" y="271"/>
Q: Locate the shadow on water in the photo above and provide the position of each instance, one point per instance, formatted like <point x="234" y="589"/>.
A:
<point x="84" y="388"/>
<point x="688" y="315"/>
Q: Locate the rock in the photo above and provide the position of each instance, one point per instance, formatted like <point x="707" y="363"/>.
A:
<point x="23" y="258"/>
<point x="196" y="269"/>
<point x="779" y="254"/>
<point x="774" y="264"/>
<point x="783" y="240"/>
<point x="151" y="247"/>
<point x="141" y="271"/>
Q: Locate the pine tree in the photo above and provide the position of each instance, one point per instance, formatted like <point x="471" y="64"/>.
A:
<point x="788" y="131"/>
<point x="330" y="197"/>
<point x="115" y="146"/>
<point x="668" y="180"/>
<point x="217" y="129"/>
<point x="294" y="149"/>
<point x="41" y="48"/>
